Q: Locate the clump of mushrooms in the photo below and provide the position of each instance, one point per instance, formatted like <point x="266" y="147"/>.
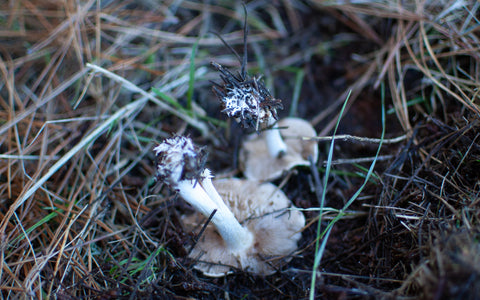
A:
<point x="254" y="226"/>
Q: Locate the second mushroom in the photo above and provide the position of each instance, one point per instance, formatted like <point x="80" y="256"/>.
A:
<point x="247" y="100"/>
<point x="254" y="226"/>
<point x="281" y="145"/>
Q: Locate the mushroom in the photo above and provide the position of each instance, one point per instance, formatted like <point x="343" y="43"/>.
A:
<point x="247" y="99"/>
<point x="266" y="156"/>
<point x="258" y="163"/>
<point x="249" y="102"/>
<point x="255" y="229"/>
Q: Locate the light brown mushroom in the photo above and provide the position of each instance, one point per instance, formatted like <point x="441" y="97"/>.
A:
<point x="257" y="162"/>
<point x="269" y="226"/>
<point x="266" y="212"/>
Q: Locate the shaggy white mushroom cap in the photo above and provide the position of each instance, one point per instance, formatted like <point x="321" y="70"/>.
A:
<point x="246" y="99"/>
<point x="243" y="102"/>
<point x="178" y="159"/>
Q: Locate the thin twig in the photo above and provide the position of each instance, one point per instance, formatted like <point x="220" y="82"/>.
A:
<point x="347" y="137"/>
<point x="359" y="160"/>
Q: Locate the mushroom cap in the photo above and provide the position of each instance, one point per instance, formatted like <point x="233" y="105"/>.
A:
<point x="245" y="98"/>
<point x="267" y="213"/>
<point x="256" y="162"/>
<point x="178" y="159"/>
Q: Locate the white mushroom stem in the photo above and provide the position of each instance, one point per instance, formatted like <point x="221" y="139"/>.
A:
<point x="275" y="144"/>
<point x="210" y="189"/>
<point x="235" y="236"/>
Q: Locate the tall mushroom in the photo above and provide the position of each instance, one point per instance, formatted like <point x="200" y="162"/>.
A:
<point x="249" y="102"/>
<point x="268" y="155"/>
<point x="255" y="229"/>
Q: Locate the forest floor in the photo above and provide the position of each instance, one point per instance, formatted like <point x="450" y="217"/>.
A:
<point x="88" y="88"/>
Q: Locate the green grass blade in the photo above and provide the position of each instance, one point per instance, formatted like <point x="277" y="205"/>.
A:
<point x="44" y="220"/>
<point x="320" y="249"/>
<point x="322" y="202"/>
<point x="170" y="100"/>
<point x="191" y="81"/>
<point x="299" y="76"/>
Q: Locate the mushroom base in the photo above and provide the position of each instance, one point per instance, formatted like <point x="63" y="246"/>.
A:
<point x="266" y="212"/>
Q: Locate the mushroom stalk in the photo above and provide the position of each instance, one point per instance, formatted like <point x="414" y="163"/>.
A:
<point x="235" y="236"/>
<point x="179" y="164"/>
<point x="210" y="189"/>
<point x="275" y="144"/>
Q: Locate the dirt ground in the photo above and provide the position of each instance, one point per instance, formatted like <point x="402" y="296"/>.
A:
<point x="89" y="88"/>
